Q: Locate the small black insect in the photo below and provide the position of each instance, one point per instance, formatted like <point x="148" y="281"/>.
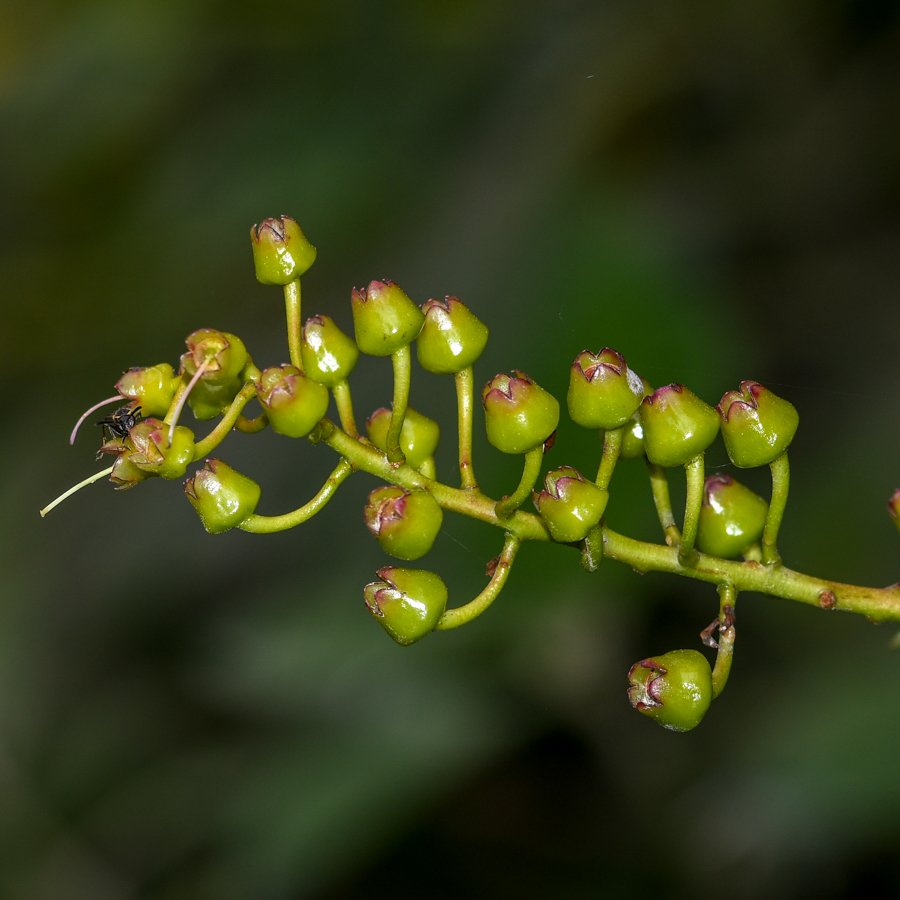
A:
<point x="120" y="422"/>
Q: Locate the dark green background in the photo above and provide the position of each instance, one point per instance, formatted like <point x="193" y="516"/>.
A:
<point x="714" y="189"/>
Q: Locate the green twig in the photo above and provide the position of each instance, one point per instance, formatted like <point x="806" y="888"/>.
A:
<point x="781" y="482"/>
<point x="344" y="402"/>
<point x="612" y="444"/>
<point x="227" y="422"/>
<point x="401" y="360"/>
<point x="294" y="321"/>
<point x="694" y="471"/>
<point x="508" y="505"/>
<point x="465" y="399"/>
<point x="659" y="484"/>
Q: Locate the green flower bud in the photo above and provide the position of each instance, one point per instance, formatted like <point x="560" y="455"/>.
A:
<point x="281" y="252"/>
<point x="125" y="474"/>
<point x="569" y="505"/>
<point x="152" y="388"/>
<point x="451" y="339"/>
<point x="407" y="602"/>
<point x="384" y="318"/>
<point x="329" y="355"/>
<point x="518" y="414"/>
<point x="152" y="452"/>
<point x="294" y="403"/>
<point x="210" y="400"/>
<point x="675" y="689"/>
<point x="677" y="425"/>
<point x="894" y="507"/>
<point x="756" y="425"/>
<point x="404" y="522"/>
<point x="732" y="518"/>
<point x="603" y="391"/>
<point x="223" y="355"/>
<point x="419" y="436"/>
<point x="222" y="497"/>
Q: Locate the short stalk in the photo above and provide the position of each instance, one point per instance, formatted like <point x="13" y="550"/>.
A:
<point x="465" y="400"/>
<point x="344" y="403"/>
<point x="453" y="618"/>
<point x="612" y="444"/>
<point x="294" y="322"/>
<point x="781" y="482"/>
<point x="694" y="470"/>
<point x="508" y="505"/>
<point x="95" y="477"/>
<point x="228" y="421"/>
<point x="251" y="426"/>
<point x="270" y="524"/>
<point x="659" y="484"/>
<point x="592" y="550"/>
<point x="401" y="360"/>
<point x="726" y="634"/>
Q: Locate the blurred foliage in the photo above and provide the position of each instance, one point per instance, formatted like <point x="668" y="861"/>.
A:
<point x="711" y="188"/>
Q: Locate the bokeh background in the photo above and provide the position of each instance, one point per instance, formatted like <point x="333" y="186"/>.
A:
<point x="713" y="188"/>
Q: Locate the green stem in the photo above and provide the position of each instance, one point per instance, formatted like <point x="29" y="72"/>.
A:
<point x="472" y="503"/>
<point x="465" y="401"/>
<point x="659" y="484"/>
<point x="90" y="480"/>
<point x="533" y="459"/>
<point x="694" y="471"/>
<point x="344" y="402"/>
<point x="725" y="651"/>
<point x="294" y="321"/>
<point x="612" y="444"/>
<point x="251" y="426"/>
<point x="269" y="524"/>
<point x="401" y="360"/>
<point x="227" y="422"/>
<point x="453" y="618"/>
<point x="781" y="482"/>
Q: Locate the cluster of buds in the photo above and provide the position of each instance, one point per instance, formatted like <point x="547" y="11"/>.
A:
<point x="668" y="427"/>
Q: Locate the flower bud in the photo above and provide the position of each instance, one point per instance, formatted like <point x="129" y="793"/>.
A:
<point x="210" y="400"/>
<point x="281" y="252"/>
<point x="222" y="497"/>
<point x="384" y="318"/>
<point x="451" y="339"/>
<point x="677" y="425"/>
<point x="125" y="474"/>
<point x="152" y="388"/>
<point x="154" y="454"/>
<point x="757" y="426"/>
<point x="405" y="523"/>
<point x="894" y="507"/>
<point x="675" y="689"/>
<point x="633" y="434"/>
<point x="329" y="355"/>
<point x="223" y="354"/>
<point x="407" y="602"/>
<point x="603" y="391"/>
<point x="419" y="436"/>
<point x="570" y="505"/>
<point x="518" y="414"/>
<point x="732" y="518"/>
<point x="294" y="403"/>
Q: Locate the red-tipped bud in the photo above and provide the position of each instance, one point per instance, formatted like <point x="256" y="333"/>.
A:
<point x="451" y="339"/>
<point x="603" y="391"/>
<point x="329" y="355"/>
<point x="293" y="402"/>
<point x="419" y="436"/>
<point x="222" y="497"/>
<point x="405" y="523"/>
<point x="151" y="388"/>
<point x="384" y="318"/>
<point x="732" y="518"/>
<point x="155" y="455"/>
<point x="894" y="507"/>
<point x="570" y="505"/>
<point x="518" y="414"/>
<point x="674" y="689"/>
<point x="221" y="355"/>
<point x="677" y="425"/>
<point x="281" y="252"/>
<point x="757" y="426"/>
<point x="407" y="602"/>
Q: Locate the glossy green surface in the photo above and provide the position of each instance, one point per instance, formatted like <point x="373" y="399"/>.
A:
<point x="154" y="454"/>
<point x="419" y="436"/>
<point x="406" y="602"/>
<point x="732" y="518"/>
<point x="210" y="400"/>
<point x="519" y="415"/>
<point x="757" y="426"/>
<point x="281" y="252"/>
<point x="224" y="355"/>
<point x="452" y="337"/>
<point x="329" y="355"/>
<point x="151" y="387"/>
<point x="603" y="391"/>
<point x="221" y="496"/>
<point x="293" y="402"/>
<point x="677" y="425"/>
<point x="570" y="505"/>
<point x="405" y="523"/>
<point x="674" y="689"/>
<point x="384" y="318"/>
